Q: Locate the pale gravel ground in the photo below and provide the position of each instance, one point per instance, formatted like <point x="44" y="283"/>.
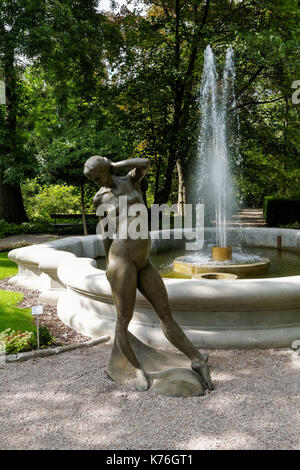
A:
<point x="29" y="238"/>
<point x="68" y="402"/>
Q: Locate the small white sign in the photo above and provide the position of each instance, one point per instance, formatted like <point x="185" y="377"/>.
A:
<point x="37" y="310"/>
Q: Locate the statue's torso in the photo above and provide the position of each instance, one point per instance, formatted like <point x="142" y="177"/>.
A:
<point x="125" y="186"/>
<point x="114" y="203"/>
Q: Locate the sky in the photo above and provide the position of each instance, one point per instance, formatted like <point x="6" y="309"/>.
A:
<point x="104" y="5"/>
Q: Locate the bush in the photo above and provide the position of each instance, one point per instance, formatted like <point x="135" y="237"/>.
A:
<point x="7" y="229"/>
<point x="45" y="337"/>
<point x="26" y="227"/>
<point x="21" y="341"/>
<point x="281" y="211"/>
<point x="16" y="341"/>
<point x="294" y="226"/>
<point x="43" y="200"/>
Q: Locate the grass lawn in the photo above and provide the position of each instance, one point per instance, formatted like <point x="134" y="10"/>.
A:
<point x="10" y="315"/>
<point x="7" y="267"/>
<point x="13" y="317"/>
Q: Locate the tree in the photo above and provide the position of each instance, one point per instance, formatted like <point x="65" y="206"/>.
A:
<point x="17" y="21"/>
<point x="67" y="80"/>
<point x="66" y="39"/>
<point x="158" y="74"/>
<point x="161" y="66"/>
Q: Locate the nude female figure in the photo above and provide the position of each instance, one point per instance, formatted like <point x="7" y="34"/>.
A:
<point x="129" y="266"/>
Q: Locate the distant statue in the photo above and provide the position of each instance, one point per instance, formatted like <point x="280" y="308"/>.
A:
<point x="129" y="267"/>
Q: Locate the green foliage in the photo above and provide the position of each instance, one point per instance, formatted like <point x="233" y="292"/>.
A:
<point x="279" y="211"/>
<point x="21" y="341"/>
<point x="16" y="341"/>
<point x="127" y="84"/>
<point x="7" y="229"/>
<point x="45" y="338"/>
<point x="43" y="200"/>
<point x="62" y="160"/>
<point x="294" y="226"/>
<point x="264" y="175"/>
<point x="17" y="328"/>
<point x="20" y="23"/>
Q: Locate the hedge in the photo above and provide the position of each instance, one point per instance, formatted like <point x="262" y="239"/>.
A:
<point x="7" y="229"/>
<point x="281" y="211"/>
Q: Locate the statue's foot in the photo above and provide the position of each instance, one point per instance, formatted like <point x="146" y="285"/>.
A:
<point x="202" y="369"/>
<point x="142" y="383"/>
<point x="205" y="356"/>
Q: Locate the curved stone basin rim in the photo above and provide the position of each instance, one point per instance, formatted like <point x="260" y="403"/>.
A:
<point x="245" y="313"/>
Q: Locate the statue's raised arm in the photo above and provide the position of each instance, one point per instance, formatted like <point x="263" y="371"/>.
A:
<point x="139" y="167"/>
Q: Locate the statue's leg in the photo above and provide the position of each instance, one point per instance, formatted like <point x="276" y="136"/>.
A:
<point x="151" y="285"/>
<point x="122" y="276"/>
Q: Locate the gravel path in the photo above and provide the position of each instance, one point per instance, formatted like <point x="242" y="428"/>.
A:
<point x="25" y="239"/>
<point x="68" y="402"/>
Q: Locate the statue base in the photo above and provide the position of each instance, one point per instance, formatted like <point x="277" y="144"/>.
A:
<point x="163" y="378"/>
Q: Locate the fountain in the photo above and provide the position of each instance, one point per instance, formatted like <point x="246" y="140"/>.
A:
<point x="213" y="146"/>
<point x="215" y="312"/>
<point x="217" y="188"/>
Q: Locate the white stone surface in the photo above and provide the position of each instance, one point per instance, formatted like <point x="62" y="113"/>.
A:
<point x="245" y="313"/>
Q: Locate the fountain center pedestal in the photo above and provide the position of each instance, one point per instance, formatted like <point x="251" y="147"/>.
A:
<point x="221" y="253"/>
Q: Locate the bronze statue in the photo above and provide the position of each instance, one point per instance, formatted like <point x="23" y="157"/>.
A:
<point x="129" y="268"/>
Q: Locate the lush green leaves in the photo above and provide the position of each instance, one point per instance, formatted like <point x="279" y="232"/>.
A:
<point x="126" y="84"/>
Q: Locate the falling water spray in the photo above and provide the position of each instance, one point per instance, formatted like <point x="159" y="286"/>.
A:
<point x="216" y="180"/>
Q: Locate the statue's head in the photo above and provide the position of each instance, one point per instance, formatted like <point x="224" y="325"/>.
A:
<point x="98" y="169"/>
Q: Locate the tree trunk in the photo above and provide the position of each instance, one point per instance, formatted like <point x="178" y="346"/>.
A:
<point x="164" y="194"/>
<point x="11" y="203"/>
<point x="181" y="189"/>
<point x="177" y="93"/>
<point x="84" y="223"/>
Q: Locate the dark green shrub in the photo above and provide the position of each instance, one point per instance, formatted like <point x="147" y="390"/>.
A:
<point x="75" y="229"/>
<point x="45" y="338"/>
<point x="281" y="211"/>
<point x="294" y="226"/>
<point x="36" y="227"/>
<point x="7" y="229"/>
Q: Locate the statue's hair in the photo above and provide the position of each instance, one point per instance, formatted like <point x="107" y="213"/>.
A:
<point x="94" y="165"/>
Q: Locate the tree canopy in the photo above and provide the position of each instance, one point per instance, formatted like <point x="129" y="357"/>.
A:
<point x="80" y="81"/>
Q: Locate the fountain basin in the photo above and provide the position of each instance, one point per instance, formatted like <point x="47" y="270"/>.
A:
<point x="242" y="313"/>
<point x="185" y="266"/>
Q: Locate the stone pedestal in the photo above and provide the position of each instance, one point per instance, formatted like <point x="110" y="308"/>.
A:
<point x="168" y="373"/>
